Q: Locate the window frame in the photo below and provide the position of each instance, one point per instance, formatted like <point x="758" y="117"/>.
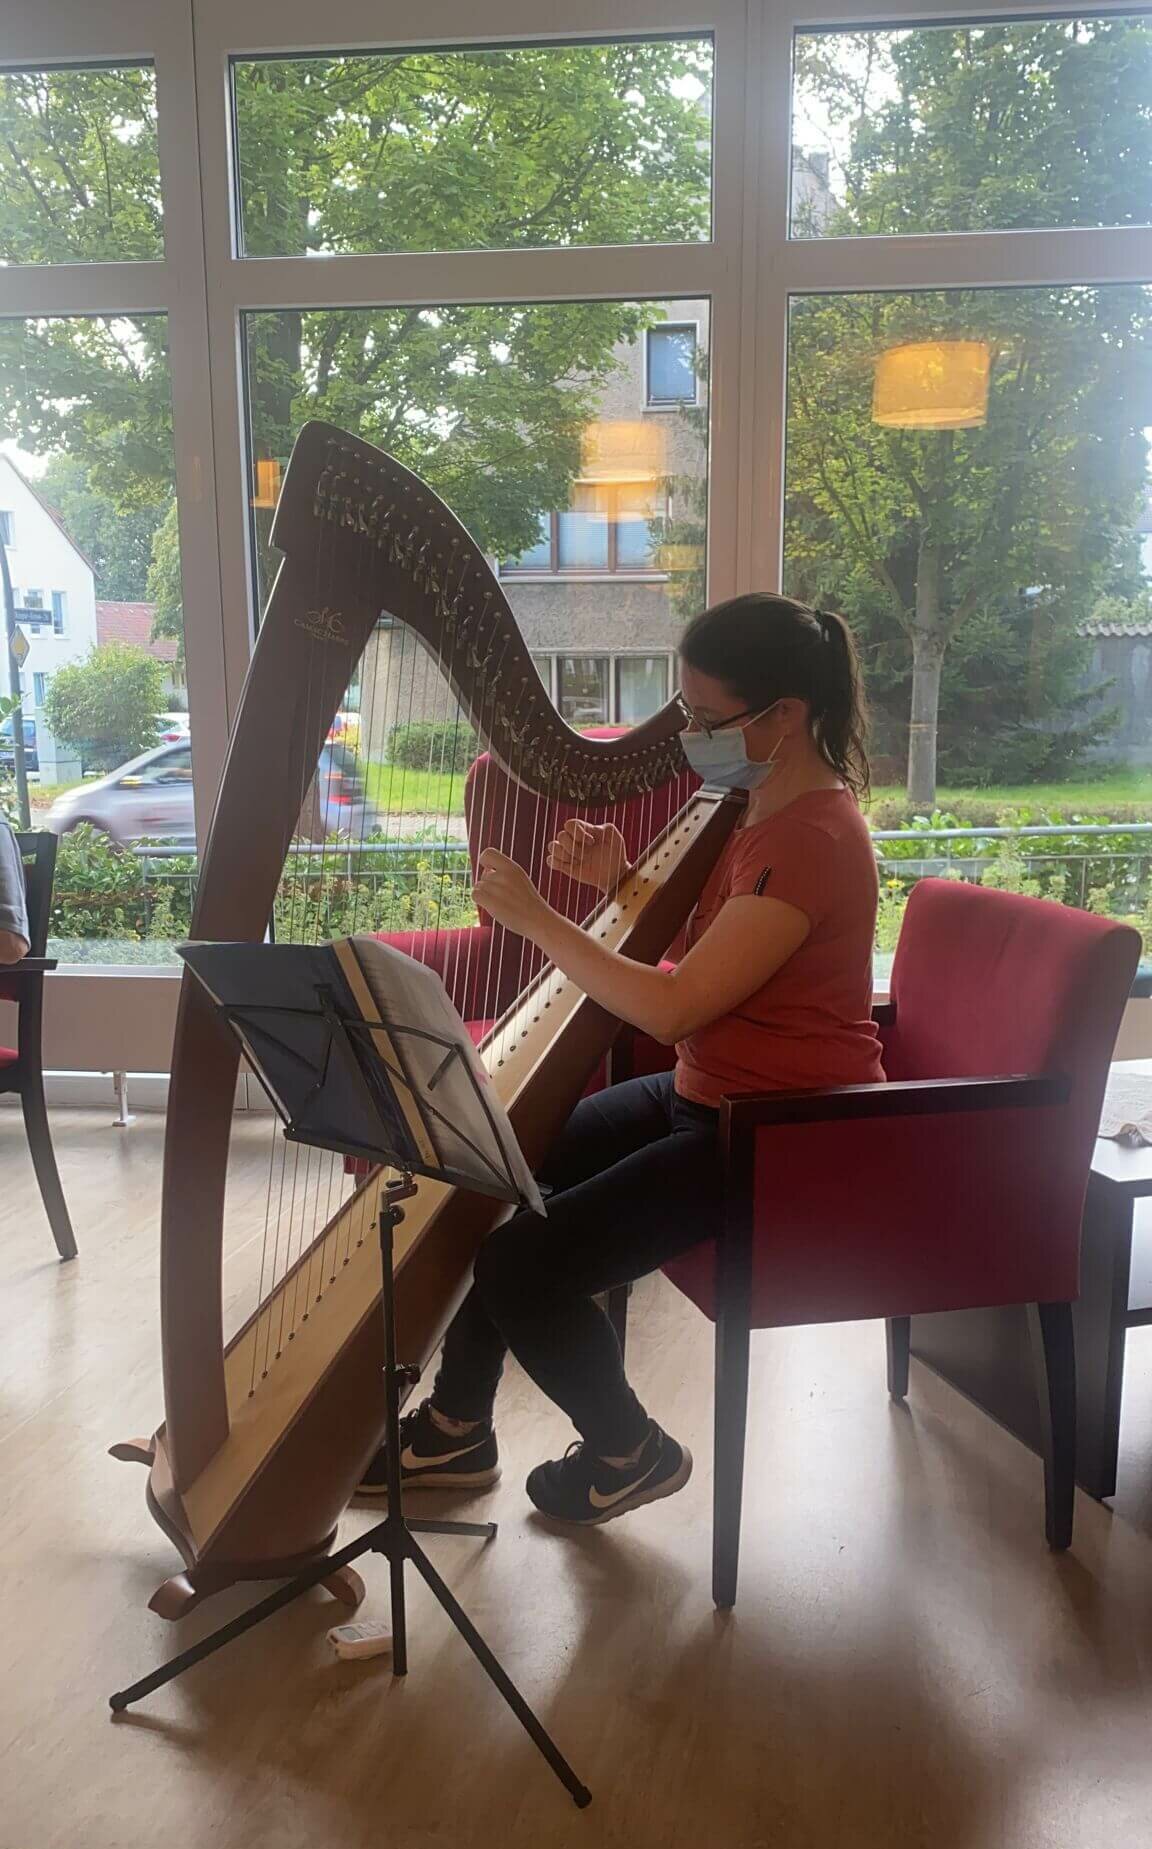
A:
<point x="747" y="271"/>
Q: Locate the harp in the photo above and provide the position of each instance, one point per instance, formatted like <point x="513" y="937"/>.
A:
<point x="265" y="1435"/>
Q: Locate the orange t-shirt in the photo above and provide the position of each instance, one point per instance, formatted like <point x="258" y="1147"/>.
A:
<point x="811" y="1023"/>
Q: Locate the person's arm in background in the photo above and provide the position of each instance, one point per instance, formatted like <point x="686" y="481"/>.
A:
<point x="13" y="909"/>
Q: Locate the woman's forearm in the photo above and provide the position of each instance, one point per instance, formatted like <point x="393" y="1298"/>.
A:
<point x="643" y="997"/>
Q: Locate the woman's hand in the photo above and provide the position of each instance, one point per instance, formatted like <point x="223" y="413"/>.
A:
<point x="504" y="890"/>
<point x="595" y="856"/>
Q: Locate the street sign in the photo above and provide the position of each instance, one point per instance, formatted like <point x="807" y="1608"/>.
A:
<point x="19" y="647"/>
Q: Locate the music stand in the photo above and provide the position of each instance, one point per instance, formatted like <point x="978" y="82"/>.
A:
<point x="344" y="1074"/>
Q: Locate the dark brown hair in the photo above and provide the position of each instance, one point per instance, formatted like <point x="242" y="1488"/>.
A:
<point x="767" y="648"/>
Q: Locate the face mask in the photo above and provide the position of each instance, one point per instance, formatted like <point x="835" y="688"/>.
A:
<point x="722" y="761"/>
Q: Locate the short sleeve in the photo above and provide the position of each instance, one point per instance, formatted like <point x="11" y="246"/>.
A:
<point x="13" y="910"/>
<point x="788" y="860"/>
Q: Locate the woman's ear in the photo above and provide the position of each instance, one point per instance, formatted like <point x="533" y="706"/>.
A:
<point x="790" y="715"/>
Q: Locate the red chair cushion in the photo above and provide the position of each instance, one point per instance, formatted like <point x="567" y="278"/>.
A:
<point x="8" y="1056"/>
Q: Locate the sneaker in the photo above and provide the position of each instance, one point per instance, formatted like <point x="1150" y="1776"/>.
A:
<point x="439" y="1460"/>
<point x="580" y="1487"/>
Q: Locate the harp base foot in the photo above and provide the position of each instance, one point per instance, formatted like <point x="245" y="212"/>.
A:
<point x="134" y="1451"/>
<point x="176" y="1597"/>
<point x="346" y="1587"/>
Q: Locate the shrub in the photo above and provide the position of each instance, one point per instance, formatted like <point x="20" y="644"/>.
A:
<point x="427" y="744"/>
<point x="105" y="707"/>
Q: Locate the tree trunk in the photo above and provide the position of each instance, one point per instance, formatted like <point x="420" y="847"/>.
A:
<point x="927" y="663"/>
<point x="929" y="641"/>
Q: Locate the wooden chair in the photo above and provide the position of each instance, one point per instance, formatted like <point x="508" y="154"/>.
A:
<point x="21" y="1068"/>
<point x="958" y="1184"/>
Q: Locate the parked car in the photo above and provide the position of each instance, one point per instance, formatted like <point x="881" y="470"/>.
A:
<point x="151" y="797"/>
<point x="8" y="746"/>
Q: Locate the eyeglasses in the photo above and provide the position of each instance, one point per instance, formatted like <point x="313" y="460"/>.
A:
<point x="721" y="725"/>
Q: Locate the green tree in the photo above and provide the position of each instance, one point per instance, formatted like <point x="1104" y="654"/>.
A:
<point x="118" y="541"/>
<point x="577" y="144"/>
<point x="164" y="586"/>
<point x="968" y="559"/>
<point x="105" y="707"/>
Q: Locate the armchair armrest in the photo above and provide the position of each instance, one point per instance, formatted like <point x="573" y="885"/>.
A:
<point x="895" y="1098"/>
<point x="28" y="966"/>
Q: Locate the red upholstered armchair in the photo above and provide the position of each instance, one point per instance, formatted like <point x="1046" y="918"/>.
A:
<point x="959" y="1184"/>
<point x="21" y="1067"/>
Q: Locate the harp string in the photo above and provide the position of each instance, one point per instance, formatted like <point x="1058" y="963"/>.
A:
<point x="304" y="1241"/>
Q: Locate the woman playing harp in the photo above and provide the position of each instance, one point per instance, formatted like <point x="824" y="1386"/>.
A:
<point x="773" y="992"/>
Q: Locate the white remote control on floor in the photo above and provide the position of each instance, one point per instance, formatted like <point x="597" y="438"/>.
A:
<point x="357" y="1640"/>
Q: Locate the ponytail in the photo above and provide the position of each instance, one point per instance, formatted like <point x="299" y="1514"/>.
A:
<point x="768" y="648"/>
<point x="841" y="730"/>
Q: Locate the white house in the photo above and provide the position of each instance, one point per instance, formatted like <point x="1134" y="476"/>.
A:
<point x="54" y="590"/>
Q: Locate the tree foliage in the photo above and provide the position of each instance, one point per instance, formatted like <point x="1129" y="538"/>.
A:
<point x="117" y="540"/>
<point x="164" y="587"/>
<point x="105" y="707"/>
<point x="425" y="151"/>
<point x="968" y="559"/>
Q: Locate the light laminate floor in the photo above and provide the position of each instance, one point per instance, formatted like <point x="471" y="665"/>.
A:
<point x="907" y="1664"/>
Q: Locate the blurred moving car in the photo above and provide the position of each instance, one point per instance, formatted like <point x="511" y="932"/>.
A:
<point x="150" y="798"/>
<point x="172" y="728"/>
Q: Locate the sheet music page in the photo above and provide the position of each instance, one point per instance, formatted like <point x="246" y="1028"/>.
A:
<point x="409" y="994"/>
<point x="1127" y="1113"/>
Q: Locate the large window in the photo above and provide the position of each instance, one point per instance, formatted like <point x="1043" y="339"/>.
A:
<point x="981" y="127"/>
<point x="650" y="344"/>
<point x="96" y="590"/>
<point x="79" y="165"/>
<point x="514" y="148"/>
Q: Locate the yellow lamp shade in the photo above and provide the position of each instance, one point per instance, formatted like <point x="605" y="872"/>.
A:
<point x="622" y="450"/>
<point x="932" y="385"/>
<point x="267" y="482"/>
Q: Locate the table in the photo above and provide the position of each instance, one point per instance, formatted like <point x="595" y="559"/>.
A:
<point x="987" y="1353"/>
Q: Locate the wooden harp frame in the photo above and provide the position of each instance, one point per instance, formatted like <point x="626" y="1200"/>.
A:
<point x="251" y="1485"/>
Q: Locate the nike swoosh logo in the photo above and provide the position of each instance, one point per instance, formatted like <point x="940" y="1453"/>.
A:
<point x="606" y="1502"/>
<point x="410" y="1461"/>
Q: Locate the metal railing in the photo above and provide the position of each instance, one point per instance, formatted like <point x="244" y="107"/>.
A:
<point x="1091" y="855"/>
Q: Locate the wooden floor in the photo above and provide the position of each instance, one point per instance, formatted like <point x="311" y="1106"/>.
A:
<point x="907" y="1664"/>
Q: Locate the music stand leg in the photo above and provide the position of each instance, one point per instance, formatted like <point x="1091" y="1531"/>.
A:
<point x="393" y="1539"/>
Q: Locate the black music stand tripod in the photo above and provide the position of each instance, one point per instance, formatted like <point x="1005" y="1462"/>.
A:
<point x="350" y="1052"/>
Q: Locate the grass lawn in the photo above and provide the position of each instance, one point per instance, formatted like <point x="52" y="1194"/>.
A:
<point x="1095" y="795"/>
<point x="414" y="792"/>
<point x="422" y="792"/>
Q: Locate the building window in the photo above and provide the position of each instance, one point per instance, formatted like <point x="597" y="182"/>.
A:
<point x="543" y="667"/>
<point x="583" y="689"/>
<point x="7" y="527"/>
<point x="671" y="364"/>
<point x="33" y="600"/>
<point x="594" y="690"/>
<point x="40" y="688"/>
<point x="59" y="611"/>
<point x="610" y="527"/>
<point x="641" y="687"/>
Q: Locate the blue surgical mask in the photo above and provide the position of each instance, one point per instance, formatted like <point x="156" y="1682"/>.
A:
<point x="721" y="760"/>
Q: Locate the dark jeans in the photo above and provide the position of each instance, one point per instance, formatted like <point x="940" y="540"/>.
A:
<point x="635" y="1180"/>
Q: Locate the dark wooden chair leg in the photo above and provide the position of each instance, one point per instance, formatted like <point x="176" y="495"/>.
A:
<point x="616" y="1304"/>
<point x="1054" y="1360"/>
<point x="44" y="1162"/>
<point x="731" y="1417"/>
<point x="899" y="1336"/>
